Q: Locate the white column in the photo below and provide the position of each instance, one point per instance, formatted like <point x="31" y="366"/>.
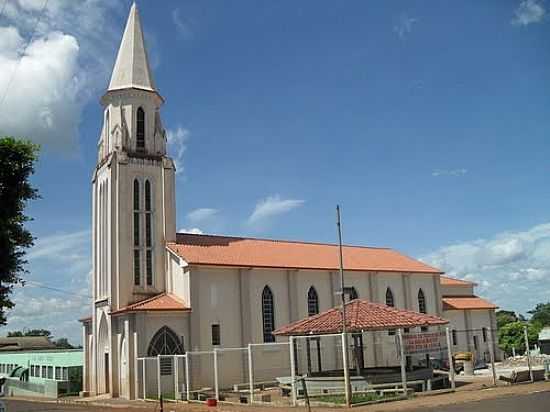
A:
<point x="492" y="356"/>
<point x="402" y="356"/>
<point x="250" y="373"/>
<point x="187" y="389"/>
<point x="159" y="391"/>
<point x="292" y="370"/>
<point x="528" y="353"/>
<point x="216" y="377"/>
<point x="347" y="384"/>
<point x="450" y="355"/>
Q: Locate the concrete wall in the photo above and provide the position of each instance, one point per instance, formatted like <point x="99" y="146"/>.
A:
<point x="469" y="324"/>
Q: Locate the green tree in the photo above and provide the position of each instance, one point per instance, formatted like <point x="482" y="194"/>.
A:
<point x="63" y="343"/>
<point x="512" y="335"/>
<point x="540" y="315"/>
<point x="17" y="159"/>
<point x="504" y="317"/>
<point x="31" y="332"/>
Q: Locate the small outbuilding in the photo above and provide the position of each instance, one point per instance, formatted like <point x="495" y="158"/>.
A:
<point x="362" y="316"/>
<point x="544" y="340"/>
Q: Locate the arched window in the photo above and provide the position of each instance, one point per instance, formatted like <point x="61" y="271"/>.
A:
<point x="140" y="129"/>
<point x="165" y="342"/>
<point x="148" y="235"/>
<point x="421" y="301"/>
<point x="137" y="252"/>
<point x="268" y="315"/>
<point x="312" y="302"/>
<point x="389" y="297"/>
<point x="147" y="195"/>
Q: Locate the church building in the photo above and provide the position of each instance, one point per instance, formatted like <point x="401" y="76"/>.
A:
<point x="158" y="292"/>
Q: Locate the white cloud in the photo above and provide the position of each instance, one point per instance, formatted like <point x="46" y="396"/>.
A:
<point x="501" y="264"/>
<point x="183" y="26"/>
<point x="177" y="144"/>
<point x="47" y="83"/>
<point x="270" y="207"/>
<point x="193" y="231"/>
<point x="60" y="261"/>
<point x="529" y="11"/>
<point x="404" y="25"/>
<point x="201" y="215"/>
<point x="449" y="172"/>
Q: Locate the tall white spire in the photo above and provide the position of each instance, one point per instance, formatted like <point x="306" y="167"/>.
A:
<point x="132" y="65"/>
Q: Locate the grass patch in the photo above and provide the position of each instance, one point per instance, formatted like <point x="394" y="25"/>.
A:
<point x="355" y="398"/>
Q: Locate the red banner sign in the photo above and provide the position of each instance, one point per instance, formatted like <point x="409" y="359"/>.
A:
<point x="423" y="342"/>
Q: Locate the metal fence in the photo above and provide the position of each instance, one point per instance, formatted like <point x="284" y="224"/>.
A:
<point x="282" y="373"/>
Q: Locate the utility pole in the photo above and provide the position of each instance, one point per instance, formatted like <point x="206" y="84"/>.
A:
<point x="347" y="382"/>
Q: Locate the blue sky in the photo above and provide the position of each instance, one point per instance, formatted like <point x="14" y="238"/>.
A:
<point x="427" y="121"/>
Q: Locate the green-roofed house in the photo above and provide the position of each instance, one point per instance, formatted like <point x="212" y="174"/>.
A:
<point x="33" y="366"/>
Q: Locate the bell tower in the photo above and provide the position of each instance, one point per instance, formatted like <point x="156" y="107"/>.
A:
<point x="133" y="183"/>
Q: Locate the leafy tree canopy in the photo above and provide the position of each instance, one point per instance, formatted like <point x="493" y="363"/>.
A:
<point x="541" y="315"/>
<point x="30" y="332"/>
<point x="512" y="335"/>
<point x="504" y="317"/>
<point x="17" y="159"/>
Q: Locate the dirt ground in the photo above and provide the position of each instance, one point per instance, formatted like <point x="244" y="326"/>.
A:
<point x="474" y="391"/>
<point x="466" y="393"/>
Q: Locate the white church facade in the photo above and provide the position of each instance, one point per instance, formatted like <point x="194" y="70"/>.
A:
<point x="158" y="292"/>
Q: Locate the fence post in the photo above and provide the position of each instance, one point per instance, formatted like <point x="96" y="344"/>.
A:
<point x="176" y="374"/>
<point x="250" y="374"/>
<point x="402" y="356"/>
<point x="187" y="390"/>
<point x="143" y="378"/>
<point x="216" y="384"/>
<point x="347" y="384"/>
<point x="292" y="370"/>
<point x="159" y="389"/>
<point x="492" y="356"/>
<point x="450" y="355"/>
<point x="528" y="353"/>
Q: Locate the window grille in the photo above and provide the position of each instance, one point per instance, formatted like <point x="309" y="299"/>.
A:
<point x="268" y="315"/>
<point x="312" y="302"/>
<point x="140" y="129"/>
<point x="149" y="267"/>
<point x="165" y="342"/>
<point x="216" y="335"/>
<point x="389" y="297"/>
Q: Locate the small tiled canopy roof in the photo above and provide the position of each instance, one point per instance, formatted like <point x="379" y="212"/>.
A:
<point x="447" y="281"/>
<point x="162" y="302"/>
<point x="466" y="302"/>
<point x="264" y="253"/>
<point x="361" y="316"/>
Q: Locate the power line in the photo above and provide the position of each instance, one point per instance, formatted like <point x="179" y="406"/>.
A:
<point x="67" y="292"/>
<point x="24" y="50"/>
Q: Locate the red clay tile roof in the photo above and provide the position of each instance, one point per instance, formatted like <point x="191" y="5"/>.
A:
<point x="162" y="302"/>
<point x="248" y="252"/>
<point x="447" y="281"/>
<point x="466" y="302"/>
<point x="361" y="315"/>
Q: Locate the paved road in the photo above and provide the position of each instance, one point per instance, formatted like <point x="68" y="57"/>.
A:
<point x="534" y="402"/>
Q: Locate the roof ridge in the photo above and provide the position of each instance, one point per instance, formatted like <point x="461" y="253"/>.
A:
<point x="281" y="241"/>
